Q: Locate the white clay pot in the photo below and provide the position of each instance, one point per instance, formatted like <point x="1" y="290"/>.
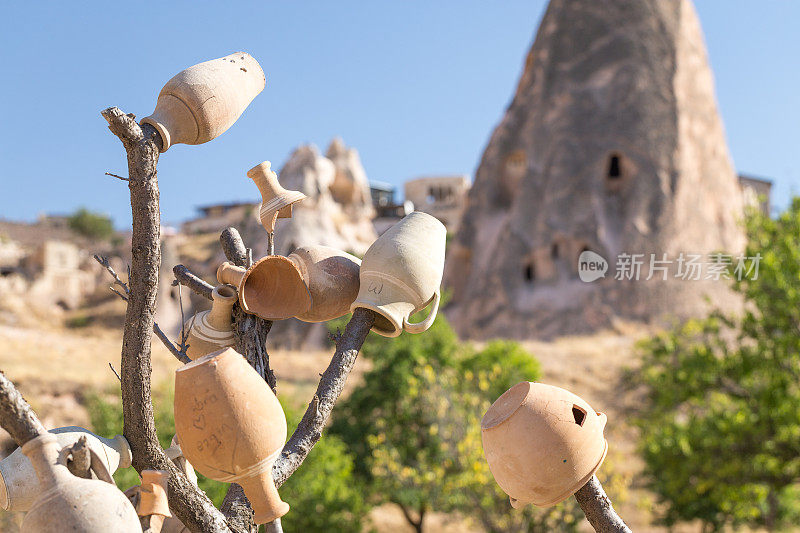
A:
<point x="68" y="503"/>
<point x="212" y="330"/>
<point x="276" y="202"/>
<point x="401" y="274"/>
<point x="19" y="485"/>
<point x="201" y="102"/>
<point x="542" y="443"/>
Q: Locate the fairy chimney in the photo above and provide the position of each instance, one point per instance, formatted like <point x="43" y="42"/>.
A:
<point x="613" y="143"/>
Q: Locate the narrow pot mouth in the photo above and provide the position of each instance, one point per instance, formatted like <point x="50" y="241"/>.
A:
<point x="224" y="292"/>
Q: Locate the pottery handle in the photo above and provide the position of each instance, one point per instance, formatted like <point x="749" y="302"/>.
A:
<point x="419" y="327"/>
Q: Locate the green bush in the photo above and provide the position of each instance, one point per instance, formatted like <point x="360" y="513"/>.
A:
<point x="720" y="427"/>
<point x="91" y="225"/>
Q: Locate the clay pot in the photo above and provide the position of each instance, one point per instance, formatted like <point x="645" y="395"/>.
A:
<point x="542" y="443"/>
<point x="331" y="276"/>
<point x="153" y="493"/>
<point x="68" y="503"/>
<point x="401" y="274"/>
<point x="276" y="202"/>
<point x="200" y="103"/>
<point x="18" y="483"/>
<point x="231" y="427"/>
<point x="212" y="330"/>
<point x="272" y="288"/>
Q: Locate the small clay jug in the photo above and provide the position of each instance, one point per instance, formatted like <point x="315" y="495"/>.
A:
<point x="401" y="274"/>
<point x="212" y="330"/>
<point x="276" y="202"/>
<point x="19" y="485"/>
<point x="542" y="443"/>
<point x="231" y="427"/>
<point x="68" y="503"/>
<point x="331" y="276"/>
<point x="272" y="288"/>
<point x="200" y="103"/>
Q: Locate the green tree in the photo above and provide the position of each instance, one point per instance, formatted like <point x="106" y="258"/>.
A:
<point x="413" y="425"/>
<point x="720" y="426"/>
<point x="91" y="225"/>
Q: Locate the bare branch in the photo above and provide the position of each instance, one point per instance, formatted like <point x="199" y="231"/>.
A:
<point x="104" y="262"/>
<point x="142" y="145"/>
<point x="233" y="246"/>
<point x="179" y="353"/>
<point x="118" y="177"/>
<point x="186" y="277"/>
<point x="310" y="428"/>
<point x="114" y="370"/>
<point x="16" y="416"/>
<point x="598" y="510"/>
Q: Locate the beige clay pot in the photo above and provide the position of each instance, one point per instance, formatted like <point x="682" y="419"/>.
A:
<point x="401" y="274"/>
<point x="331" y="276"/>
<point x="276" y="202"/>
<point x="19" y="485"/>
<point x="231" y="427"/>
<point x="542" y="443"/>
<point x="69" y="503"/>
<point x="212" y="330"/>
<point x="200" y="103"/>
<point x="273" y="288"/>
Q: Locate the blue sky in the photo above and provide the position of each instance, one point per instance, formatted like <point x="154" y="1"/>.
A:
<point x="416" y="87"/>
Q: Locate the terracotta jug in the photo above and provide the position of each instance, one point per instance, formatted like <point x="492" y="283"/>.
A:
<point x="401" y="274"/>
<point x="231" y="427"/>
<point x="18" y="483"/>
<point x="272" y="288"/>
<point x="276" y="202"/>
<point x="68" y="503"/>
<point x="212" y="330"/>
<point x="200" y="103"/>
<point x="331" y="276"/>
<point x="542" y="443"/>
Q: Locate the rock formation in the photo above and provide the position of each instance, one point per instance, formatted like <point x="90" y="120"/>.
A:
<point x="612" y="143"/>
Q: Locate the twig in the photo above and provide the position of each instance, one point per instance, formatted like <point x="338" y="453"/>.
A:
<point x="271" y="243"/>
<point x="142" y="144"/>
<point x="185" y="277"/>
<point x="309" y="430"/>
<point x="114" y="370"/>
<point x="179" y="353"/>
<point x="104" y="262"/>
<point x="598" y="510"/>
<point x="118" y="177"/>
<point x="16" y="416"/>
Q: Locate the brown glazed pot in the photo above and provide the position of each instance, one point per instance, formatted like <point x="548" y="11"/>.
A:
<point x="69" y="503"/>
<point x="201" y="102"/>
<point x="19" y="485"/>
<point x="231" y="427"/>
<point x="276" y="202"/>
<point x="331" y="276"/>
<point x="211" y="330"/>
<point x="272" y="288"/>
<point x="542" y="443"/>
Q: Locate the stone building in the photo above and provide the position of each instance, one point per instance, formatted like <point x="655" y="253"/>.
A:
<point x="612" y="144"/>
<point x="441" y="196"/>
<point x="756" y="192"/>
<point x="217" y="217"/>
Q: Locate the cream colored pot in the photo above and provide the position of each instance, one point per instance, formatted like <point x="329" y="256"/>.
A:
<point x="200" y="103"/>
<point x="331" y="276"/>
<point x="19" y="485"/>
<point x="401" y="274"/>
<point x="212" y="330"/>
<point x="231" y="427"/>
<point x="542" y="443"/>
<point x="68" y="503"/>
<point x="273" y="288"/>
<point x="276" y="202"/>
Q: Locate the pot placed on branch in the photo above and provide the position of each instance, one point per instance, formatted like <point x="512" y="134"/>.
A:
<point x="201" y="102"/>
<point x="212" y="330"/>
<point x="542" y="443"/>
<point x="231" y="427"/>
<point x="19" y="485"/>
<point x="276" y="202"/>
<point x="401" y="274"/>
